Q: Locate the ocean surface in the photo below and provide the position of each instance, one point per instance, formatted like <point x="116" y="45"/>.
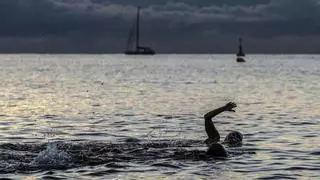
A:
<point x="141" y="117"/>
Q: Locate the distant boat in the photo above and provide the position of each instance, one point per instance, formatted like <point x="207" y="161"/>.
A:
<point x="137" y="50"/>
<point x="240" y="54"/>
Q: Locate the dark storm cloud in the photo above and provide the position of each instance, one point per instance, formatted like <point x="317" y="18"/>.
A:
<point x="278" y="17"/>
<point x="43" y="17"/>
<point x="96" y="25"/>
<point x="199" y="3"/>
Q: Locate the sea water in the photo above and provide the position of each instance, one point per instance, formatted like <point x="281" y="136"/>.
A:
<point x="141" y="117"/>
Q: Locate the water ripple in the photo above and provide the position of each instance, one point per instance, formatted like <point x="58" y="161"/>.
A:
<point x="135" y="102"/>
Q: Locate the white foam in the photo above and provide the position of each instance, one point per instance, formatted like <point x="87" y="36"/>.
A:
<point x="52" y="157"/>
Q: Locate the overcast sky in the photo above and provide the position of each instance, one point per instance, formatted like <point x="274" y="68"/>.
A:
<point x="176" y="26"/>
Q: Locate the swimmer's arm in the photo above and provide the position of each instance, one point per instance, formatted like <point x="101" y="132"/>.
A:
<point x="212" y="132"/>
<point x="213" y="113"/>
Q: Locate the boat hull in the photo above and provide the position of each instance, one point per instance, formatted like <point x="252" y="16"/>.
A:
<point x="139" y="53"/>
<point x="241" y="59"/>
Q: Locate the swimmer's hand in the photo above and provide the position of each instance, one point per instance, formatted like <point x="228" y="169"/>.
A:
<point x="230" y="106"/>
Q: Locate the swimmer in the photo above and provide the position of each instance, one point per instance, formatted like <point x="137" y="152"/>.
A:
<point x="233" y="139"/>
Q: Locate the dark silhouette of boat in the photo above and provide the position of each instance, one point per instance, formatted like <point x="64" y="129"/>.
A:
<point x="240" y="54"/>
<point x="137" y="50"/>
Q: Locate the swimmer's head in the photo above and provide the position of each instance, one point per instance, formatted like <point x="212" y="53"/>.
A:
<point x="233" y="139"/>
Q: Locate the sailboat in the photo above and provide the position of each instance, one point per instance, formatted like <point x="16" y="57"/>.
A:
<point x="138" y="50"/>
<point x="240" y="54"/>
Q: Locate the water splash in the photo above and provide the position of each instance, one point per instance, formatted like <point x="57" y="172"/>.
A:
<point x="52" y="157"/>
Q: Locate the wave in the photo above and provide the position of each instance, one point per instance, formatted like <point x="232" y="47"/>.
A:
<point x="65" y="155"/>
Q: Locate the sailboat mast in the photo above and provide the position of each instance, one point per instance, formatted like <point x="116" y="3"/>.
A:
<point x="138" y="29"/>
<point x="240" y="53"/>
<point x="240" y="45"/>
